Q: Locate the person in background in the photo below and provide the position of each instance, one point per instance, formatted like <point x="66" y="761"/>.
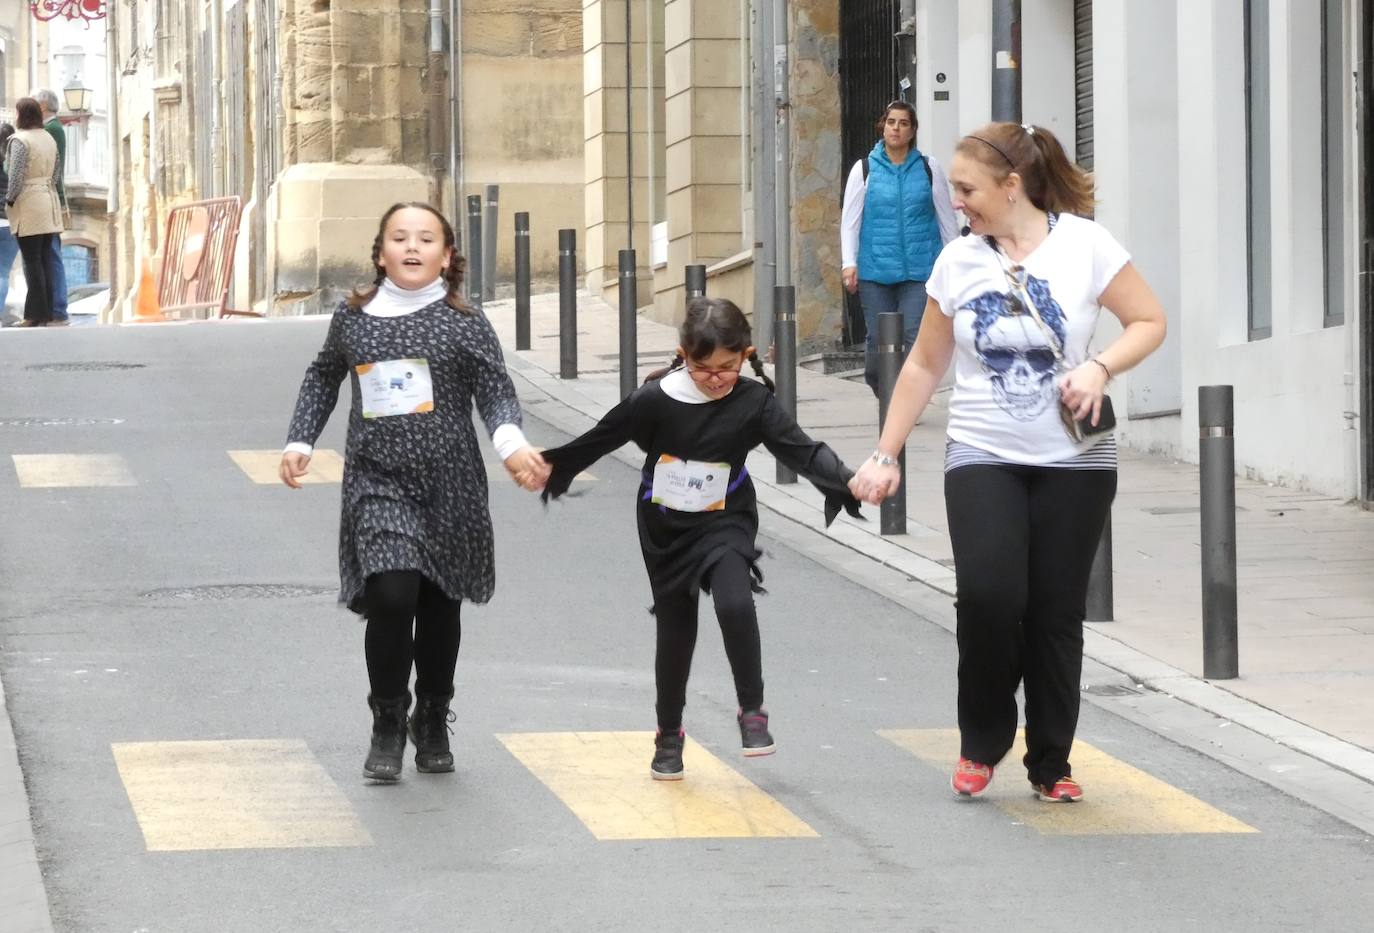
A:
<point x="57" y="272"/>
<point x="35" y="215"/>
<point x="897" y="217"/>
<point x="9" y="246"/>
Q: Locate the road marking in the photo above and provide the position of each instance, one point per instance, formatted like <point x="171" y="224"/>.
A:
<point x="603" y="777"/>
<point x="326" y="466"/>
<point x="242" y="794"/>
<point x="56" y="471"/>
<point x="1118" y="799"/>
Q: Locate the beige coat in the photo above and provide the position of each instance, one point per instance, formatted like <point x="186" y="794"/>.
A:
<point x="32" y="164"/>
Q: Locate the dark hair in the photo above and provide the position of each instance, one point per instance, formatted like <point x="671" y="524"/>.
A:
<point x="1052" y="182"/>
<point x="713" y="324"/>
<point x="453" y="274"/>
<point x="6" y="131"/>
<point x="910" y="111"/>
<point x="28" y="115"/>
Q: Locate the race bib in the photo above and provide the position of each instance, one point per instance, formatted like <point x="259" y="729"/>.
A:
<point x="690" y="485"/>
<point x="395" y="387"/>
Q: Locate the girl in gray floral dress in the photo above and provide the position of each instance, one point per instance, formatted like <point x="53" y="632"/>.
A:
<point x="415" y="535"/>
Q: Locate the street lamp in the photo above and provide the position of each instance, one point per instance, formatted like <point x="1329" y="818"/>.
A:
<point x="78" y="98"/>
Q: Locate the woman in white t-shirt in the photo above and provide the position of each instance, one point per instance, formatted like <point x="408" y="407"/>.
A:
<point x="1030" y="463"/>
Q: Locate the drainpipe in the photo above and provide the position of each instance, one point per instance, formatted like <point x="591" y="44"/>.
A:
<point x="1006" y="60"/>
<point x="116" y="170"/>
<point x="455" y="108"/>
<point x="216" y="179"/>
<point x="437" y="134"/>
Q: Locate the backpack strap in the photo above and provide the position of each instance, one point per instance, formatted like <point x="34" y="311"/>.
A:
<point x="865" y="164"/>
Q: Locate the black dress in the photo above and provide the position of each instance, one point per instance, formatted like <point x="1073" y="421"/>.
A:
<point x="680" y="548"/>
<point x="414" y="487"/>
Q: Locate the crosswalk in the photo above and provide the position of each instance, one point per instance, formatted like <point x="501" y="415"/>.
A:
<point x="268" y="794"/>
<point x="69" y="471"/>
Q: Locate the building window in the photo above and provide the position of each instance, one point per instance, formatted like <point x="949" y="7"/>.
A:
<point x="1333" y="163"/>
<point x="80" y="263"/>
<point x="1259" y="219"/>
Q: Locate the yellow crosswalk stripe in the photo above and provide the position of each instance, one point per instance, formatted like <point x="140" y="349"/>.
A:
<point x="57" y="471"/>
<point x="1118" y="799"/>
<point x="242" y="794"/>
<point x="326" y="466"/>
<point x="603" y="777"/>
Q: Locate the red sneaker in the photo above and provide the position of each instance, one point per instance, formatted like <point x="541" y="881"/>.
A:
<point x="1065" y="790"/>
<point x="970" y="778"/>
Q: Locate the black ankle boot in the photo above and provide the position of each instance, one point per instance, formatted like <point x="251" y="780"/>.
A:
<point x="388" y="737"/>
<point x="429" y="731"/>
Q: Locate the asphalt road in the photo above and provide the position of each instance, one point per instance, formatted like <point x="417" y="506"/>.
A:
<point x="191" y="612"/>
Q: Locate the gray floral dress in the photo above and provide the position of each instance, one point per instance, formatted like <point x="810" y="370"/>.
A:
<point x="414" y="486"/>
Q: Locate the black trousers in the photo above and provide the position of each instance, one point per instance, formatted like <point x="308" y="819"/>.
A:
<point x="410" y="620"/>
<point x="732" y="591"/>
<point x="1023" y="539"/>
<point x="38" y="301"/>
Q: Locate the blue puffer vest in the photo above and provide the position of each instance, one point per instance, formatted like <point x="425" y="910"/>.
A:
<point x="900" y="236"/>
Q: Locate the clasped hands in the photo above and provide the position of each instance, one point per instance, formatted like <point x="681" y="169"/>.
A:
<point x="526" y="466"/>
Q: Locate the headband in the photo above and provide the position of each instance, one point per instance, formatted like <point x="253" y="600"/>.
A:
<point x="996" y="148"/>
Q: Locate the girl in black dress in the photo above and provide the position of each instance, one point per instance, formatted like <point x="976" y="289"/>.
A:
<point x="415" y="536"/>
<point x="696" y="422"/>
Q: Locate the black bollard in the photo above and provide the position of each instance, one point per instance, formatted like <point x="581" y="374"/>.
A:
<point x="1100" y="578"/>
<point x="1217" y="476"/>
<point x="522" y="281"/>
<point x="891" y="354"/>
<point x="489" y="240"/>
<point x="567" y="304"/>
<point x="785" y="359"/>
<point x="629" y="350"/>
<point x="474" y="257"/>
<point x="695" y="281"/>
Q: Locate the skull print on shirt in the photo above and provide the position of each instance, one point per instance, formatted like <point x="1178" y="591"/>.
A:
<point x="1016" y="354"/>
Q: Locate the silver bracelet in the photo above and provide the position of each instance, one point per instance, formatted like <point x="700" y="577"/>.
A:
<point x="883" y="459"/>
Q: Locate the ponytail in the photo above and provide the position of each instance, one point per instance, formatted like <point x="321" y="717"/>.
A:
<point x="657" y="374"/>
<point x="1051" y="181"/>
<point x="758" y="371"/>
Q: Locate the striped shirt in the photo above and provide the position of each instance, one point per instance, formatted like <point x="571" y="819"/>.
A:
<point x="1100" y="456"/>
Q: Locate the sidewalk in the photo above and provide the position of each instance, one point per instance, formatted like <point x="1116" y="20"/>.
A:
<point x="1306" y="562"/>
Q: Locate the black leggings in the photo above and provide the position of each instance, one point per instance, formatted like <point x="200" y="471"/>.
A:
<point x="732" y="589"/>
<point x="1023" y="540"/>
<point x="38" y="302"/>
<point x="396" y="599"/>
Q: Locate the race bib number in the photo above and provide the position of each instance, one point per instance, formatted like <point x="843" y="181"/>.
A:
<point x="395" y="387"/>
<point x="690" y="485"/>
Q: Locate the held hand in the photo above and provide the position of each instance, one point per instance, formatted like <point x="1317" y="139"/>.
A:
<point x="292" y="467"/>
<point x="874" y="482"/>
<point x="850" y="276"/>
<point x="528" y="469"/>
<point x="1082" y="390"/>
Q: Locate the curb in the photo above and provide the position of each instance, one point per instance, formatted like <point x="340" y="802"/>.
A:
<point x="22" y="893"/>
<point x="1327" y="772"/>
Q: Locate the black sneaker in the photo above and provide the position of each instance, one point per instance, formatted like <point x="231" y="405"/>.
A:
<point x="754" y="734"/>
<point x="667" y="764"/>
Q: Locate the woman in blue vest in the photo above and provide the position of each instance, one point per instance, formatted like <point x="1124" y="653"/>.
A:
<point x="897" y="218"/>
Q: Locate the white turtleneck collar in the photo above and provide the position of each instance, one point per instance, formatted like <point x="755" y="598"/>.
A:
<point x="392" y="300"/>
<point x="679" y="386"/>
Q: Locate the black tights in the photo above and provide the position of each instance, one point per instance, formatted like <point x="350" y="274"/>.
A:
<point x="731" y="588"/>
<point x="394" y="600"/>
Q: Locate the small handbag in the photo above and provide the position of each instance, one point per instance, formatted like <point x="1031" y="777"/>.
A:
<point x="1077" y="428"/>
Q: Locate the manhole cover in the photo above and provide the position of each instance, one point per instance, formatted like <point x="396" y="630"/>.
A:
<point x="83" y="367"/>
<point x="242" y="591"/>
<point x="55" y="422"/>
<point x="1111" y="690"/>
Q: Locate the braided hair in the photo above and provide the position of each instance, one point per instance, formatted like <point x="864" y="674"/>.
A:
<point x="453" y="274"/>
<point x="713" y="324"/>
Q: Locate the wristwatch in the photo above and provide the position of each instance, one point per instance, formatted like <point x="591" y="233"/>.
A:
<point x="883" y="459"/>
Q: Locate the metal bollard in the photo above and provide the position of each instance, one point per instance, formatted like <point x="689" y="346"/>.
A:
<point x="567" y="304"/>
<point x="1100" y="594"/>
<point x="785" y="359"/>
<point x="522" y="281"/>
<point x="1217" y="476"/>
<point x="891" y="354"/>
<point x="474" y="257"/>
<point x="489" y="240"/>
<point x="629" y="340"/>
<point x="695" y="281"/>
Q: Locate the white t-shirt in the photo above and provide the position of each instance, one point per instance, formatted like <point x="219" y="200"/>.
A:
<point x="1006" y="394"/>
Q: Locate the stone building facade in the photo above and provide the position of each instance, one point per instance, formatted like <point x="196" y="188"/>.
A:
<point x="319" y="116"/>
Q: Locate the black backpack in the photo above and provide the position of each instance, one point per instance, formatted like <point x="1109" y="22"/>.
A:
<point x="925" y="163"/>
